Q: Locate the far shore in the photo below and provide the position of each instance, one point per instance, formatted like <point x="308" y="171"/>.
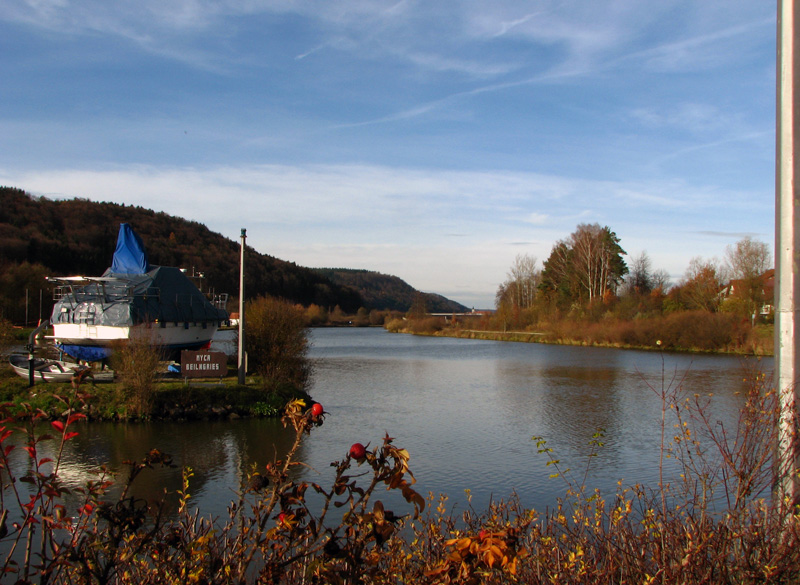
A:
<point x="541" y="337"/>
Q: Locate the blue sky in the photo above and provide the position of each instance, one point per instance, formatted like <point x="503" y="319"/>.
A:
<point x="434" y="141"/>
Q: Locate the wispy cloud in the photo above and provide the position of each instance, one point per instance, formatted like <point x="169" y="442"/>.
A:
<point x="697" y="52"/>
<point x="422" y="138"/>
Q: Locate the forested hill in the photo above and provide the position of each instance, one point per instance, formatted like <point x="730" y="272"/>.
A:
<point x="40" y="237"/>
<point x="382" y="291"/>
<point x="79" y="237"/>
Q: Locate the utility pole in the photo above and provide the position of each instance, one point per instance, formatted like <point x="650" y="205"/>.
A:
<point x="242" y="356"/>
<point x="787" y="245"/>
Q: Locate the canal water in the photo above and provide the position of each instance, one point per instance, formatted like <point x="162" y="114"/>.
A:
<point x="466" y="410"/>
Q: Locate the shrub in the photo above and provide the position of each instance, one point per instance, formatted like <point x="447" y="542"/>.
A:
<point x="396" y="325"/>
<point x="136" y="364"/>
<point x="277" y="342"/>
<point x="702" y="330"/>
<point x="273" y="533"/>
<point x="427" y="325"/>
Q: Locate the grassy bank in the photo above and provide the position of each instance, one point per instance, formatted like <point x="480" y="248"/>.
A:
<point x="688" y="331"/>
<point x="170" y="399"/>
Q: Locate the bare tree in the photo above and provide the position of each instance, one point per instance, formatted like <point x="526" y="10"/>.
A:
<point x="640" y="280"/>
<point x="748" y="259"/>
<point x="661" y="280"/>
<point x="522" y="283"/>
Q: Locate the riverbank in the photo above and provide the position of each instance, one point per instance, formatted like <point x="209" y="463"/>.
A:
<point x="172" y="399"/>
<point x="540" y="337"/>
<point x="685" y="332"/>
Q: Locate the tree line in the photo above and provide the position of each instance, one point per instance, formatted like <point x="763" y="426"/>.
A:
<point x="586" y="278"/>
<point x="41" y="237"/>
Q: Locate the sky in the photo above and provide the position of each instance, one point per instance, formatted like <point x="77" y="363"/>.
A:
<point x="434" y="141"/>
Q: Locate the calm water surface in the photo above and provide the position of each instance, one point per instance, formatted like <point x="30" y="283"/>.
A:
<point x="465" y="409"/>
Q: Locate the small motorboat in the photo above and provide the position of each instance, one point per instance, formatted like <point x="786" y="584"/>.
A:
<point x="48" y="370"/>
<point x="44" y="370"/>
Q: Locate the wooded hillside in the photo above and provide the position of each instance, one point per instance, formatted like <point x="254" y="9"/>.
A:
<point x="40" y="237"/>
<point x="385" y="292"/>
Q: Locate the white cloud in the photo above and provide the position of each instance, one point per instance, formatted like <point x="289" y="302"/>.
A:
<point x="538" y="218"/>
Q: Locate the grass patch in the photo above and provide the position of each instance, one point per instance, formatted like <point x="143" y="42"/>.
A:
<point x="171" y="399"/>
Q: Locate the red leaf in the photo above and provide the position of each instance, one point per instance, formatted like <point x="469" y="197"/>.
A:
<point x="44" y="460"/>
<point x="74" y="417"/>
<point x="68" y="436"/>
<point x="58" y="425"/>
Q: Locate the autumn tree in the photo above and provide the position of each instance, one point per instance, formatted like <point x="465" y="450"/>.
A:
<point x="700" y="286"/>
<point x="747" y="262"/>
<point x="585" y="267"/>
<point x="277" y="343"/>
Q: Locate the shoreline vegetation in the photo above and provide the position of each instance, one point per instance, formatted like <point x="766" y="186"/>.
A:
<point x="691" y="333"/>
<point x="721" y="523"/>
<point x="158" y="397"/>
<point x="279" y="370"/>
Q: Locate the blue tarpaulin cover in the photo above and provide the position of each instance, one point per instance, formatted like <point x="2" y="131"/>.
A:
<point x="86" y="353"/>
<point x="129" y="257"/>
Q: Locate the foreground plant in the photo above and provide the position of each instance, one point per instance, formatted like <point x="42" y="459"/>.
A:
<point x="273" y="533"/>
<point x="719" y="524"/>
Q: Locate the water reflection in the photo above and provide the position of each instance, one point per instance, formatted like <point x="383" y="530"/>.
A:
<point x="219" y="454"/>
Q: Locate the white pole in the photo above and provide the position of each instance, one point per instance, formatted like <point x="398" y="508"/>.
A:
<point x="787" y="246"/>
<point x="242" y="356"/>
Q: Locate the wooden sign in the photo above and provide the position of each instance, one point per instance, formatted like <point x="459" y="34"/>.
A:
<point x="203" y="364"/>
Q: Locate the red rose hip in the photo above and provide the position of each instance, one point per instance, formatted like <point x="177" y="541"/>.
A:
<point x="358" y="451"/>
<point x="316" y="409"/>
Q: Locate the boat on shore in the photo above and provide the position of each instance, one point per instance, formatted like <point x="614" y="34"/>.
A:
<point x="132" y="300"/>
<point x="47" y="370"/>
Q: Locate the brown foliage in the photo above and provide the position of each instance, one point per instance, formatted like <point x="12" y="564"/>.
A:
<point x="136" y="363"/>
<point x="277" y="343"/>
<point x="684" y="331"/>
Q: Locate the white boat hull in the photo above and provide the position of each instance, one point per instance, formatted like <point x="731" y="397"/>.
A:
<point x="168" y="335"/>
